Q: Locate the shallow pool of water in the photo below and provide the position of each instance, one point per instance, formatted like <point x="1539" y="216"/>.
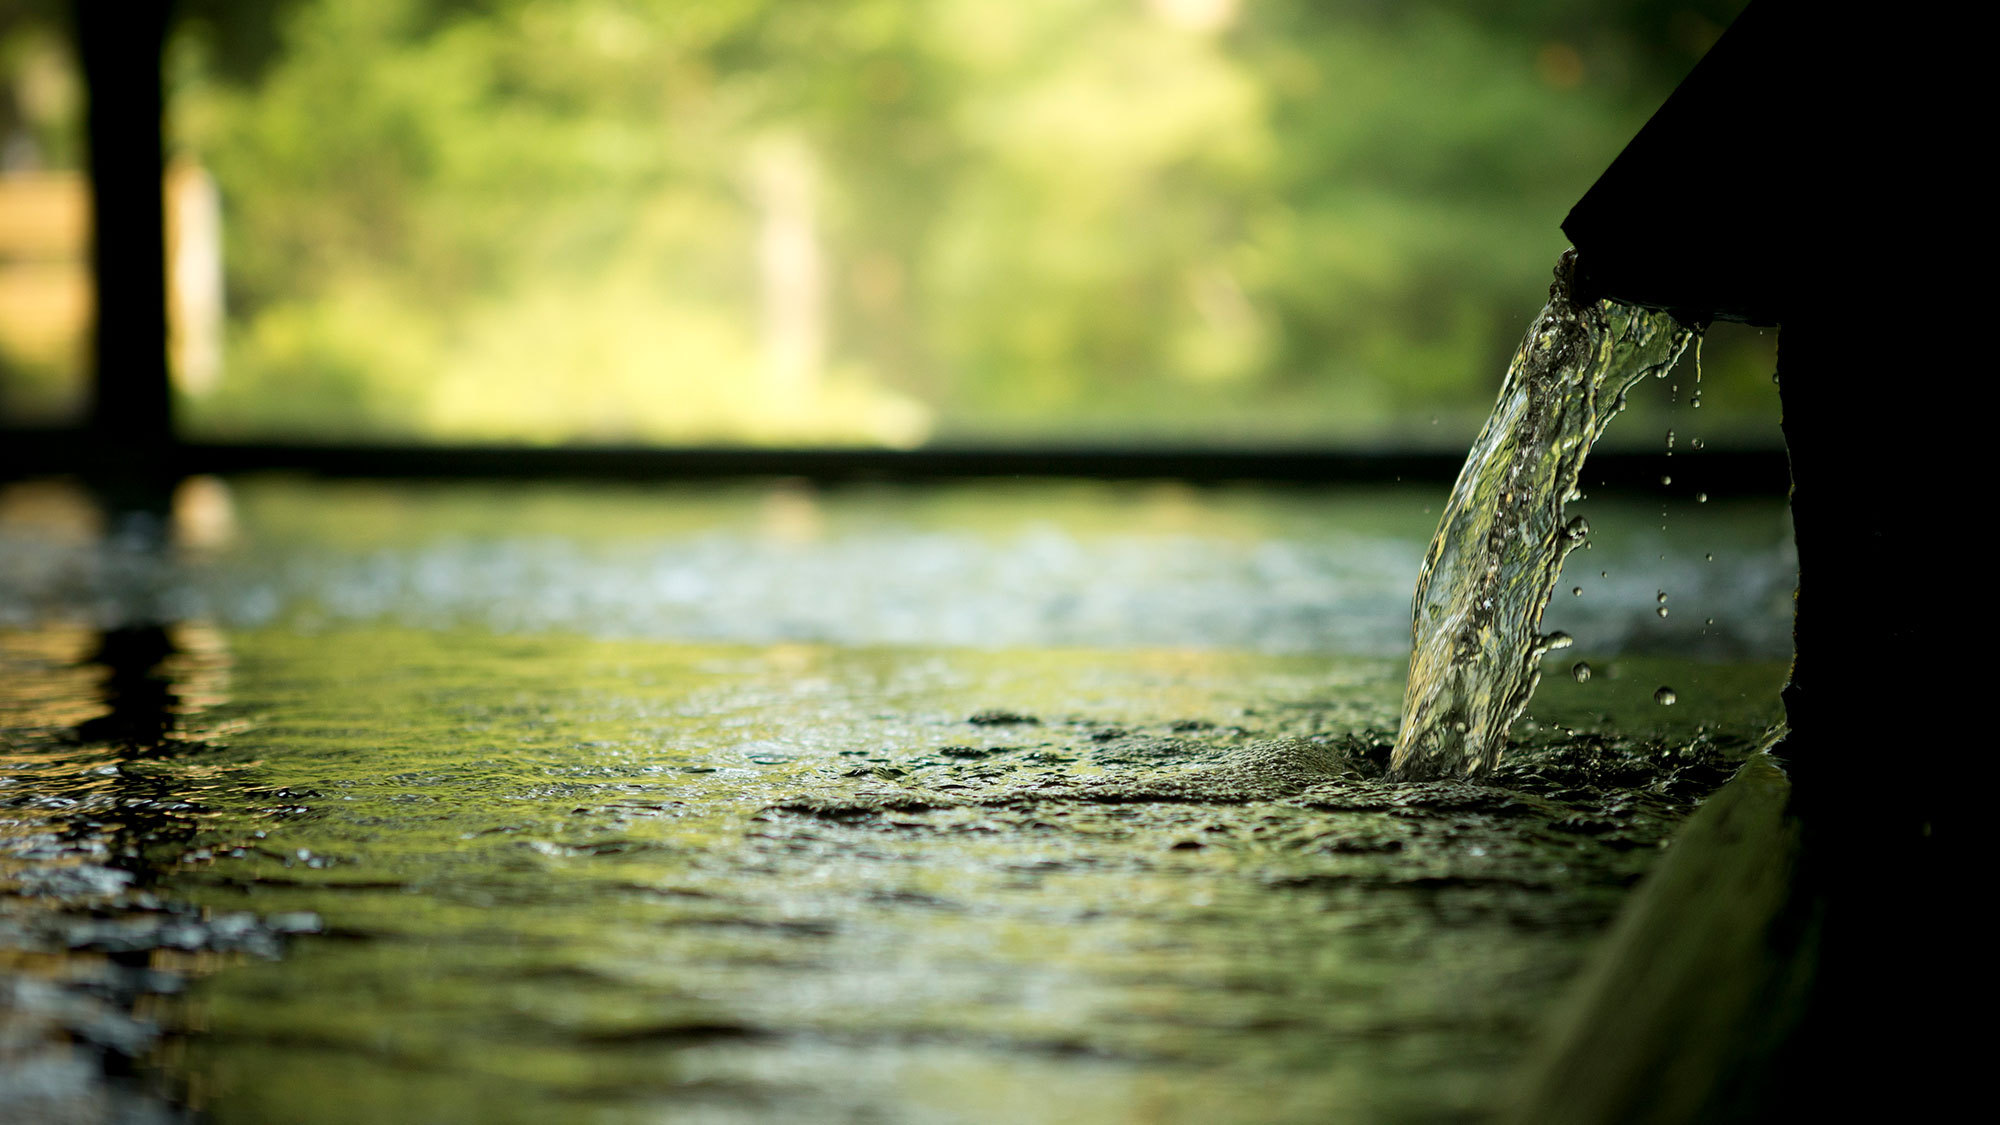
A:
<point x="981" y="804"/>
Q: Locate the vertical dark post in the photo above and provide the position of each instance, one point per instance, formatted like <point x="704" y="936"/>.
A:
<point x="120" y="45"/>
<point x="1871" y="750"/>
<point x="1833" y="219"/>
<point x="1859" y="633"/>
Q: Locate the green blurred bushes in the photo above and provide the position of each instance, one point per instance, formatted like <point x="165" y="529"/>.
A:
<point x="1092" y="219"/>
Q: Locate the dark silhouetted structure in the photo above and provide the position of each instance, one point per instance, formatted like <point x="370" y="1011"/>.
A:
<point x="1809" y="116"/>
<point x="132" y="406"/>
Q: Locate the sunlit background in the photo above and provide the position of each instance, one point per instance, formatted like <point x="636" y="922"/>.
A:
<point x="850" y="222"/>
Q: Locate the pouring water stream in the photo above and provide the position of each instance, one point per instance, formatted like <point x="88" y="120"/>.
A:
<point x="1499" y="548"/>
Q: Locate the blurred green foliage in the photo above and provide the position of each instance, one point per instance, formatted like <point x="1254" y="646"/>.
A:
<point x="1102" y="220"/>
<point x="43" y="292"/>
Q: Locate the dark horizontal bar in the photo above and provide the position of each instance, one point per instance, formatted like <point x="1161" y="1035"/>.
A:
<point x="1718" y="472"/>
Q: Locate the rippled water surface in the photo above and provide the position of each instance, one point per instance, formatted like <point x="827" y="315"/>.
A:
<point x="983" y="804"/>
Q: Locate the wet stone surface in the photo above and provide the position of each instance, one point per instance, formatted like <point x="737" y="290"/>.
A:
<point x="1232" y="791"/>
<point x="500" y="878"/>
<point x="340" y="870"/>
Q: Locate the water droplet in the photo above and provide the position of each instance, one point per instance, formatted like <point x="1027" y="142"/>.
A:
<point x="1577" y="528"/>
<point x="1774" y="377"/>
<point x="1711" y="621"/>
<point x="1665" y="479"/>
<point x="1670" y="439"/>
<point x="1580" y="671"/>
<point x="1576" y="591"/>
<point x="1710" y="556"/>
<point x="1604" y="574"/>
<point x="1663" y="611"/>
<point x="1697" y="443"/>
<point x="1665" y="697"/>
<point x="1701" y="497"/>
<point x="1661" y="597"/>
<point x="1559" y="639"/>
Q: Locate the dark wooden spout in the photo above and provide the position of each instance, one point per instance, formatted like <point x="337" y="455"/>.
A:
<point x="1792" y="118"/>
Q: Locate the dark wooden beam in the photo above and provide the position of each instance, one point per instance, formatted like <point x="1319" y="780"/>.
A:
<point x="1717" y="472"/>
<point x="120" y="44"/>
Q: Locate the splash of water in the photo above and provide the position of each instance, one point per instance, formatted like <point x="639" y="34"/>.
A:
<point x="1500" y="545"/>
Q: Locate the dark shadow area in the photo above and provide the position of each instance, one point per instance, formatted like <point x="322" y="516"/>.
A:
<point x="1848" y="952"/>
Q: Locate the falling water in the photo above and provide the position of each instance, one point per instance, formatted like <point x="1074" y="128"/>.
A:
<point x="1499" y="547"/>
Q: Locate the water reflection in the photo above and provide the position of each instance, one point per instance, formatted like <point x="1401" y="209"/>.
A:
<point x="138" y="689"/>
<point x="105" y="787"/>
<point x="84" y="823"/>
<point x="156" y="682"/>
<point x="103" y="730"/>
